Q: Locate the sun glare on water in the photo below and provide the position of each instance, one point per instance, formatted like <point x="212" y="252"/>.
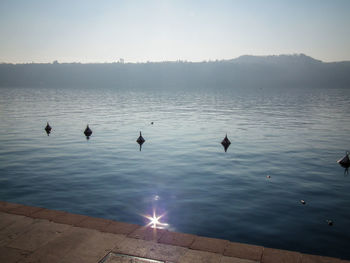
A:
<point x="154" y="221"/>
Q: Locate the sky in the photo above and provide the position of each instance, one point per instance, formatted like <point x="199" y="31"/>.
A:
<point x="168" y="30"/>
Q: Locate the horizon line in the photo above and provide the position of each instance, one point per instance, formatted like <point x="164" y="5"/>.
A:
<point x="123" y="61"/>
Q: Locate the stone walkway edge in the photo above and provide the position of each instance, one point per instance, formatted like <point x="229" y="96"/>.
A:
<point x="34" y="234"/>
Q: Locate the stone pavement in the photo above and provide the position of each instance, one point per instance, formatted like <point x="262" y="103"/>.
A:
<point x="33" y="234"/>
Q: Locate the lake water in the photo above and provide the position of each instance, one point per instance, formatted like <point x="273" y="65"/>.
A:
<point x="183" y="172"/>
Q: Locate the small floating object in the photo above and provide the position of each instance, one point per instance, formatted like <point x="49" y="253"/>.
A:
<point x="88" y="132"/>
<point x="329" y="222"/>
<point x="226" y="143"/>
<point x="302" y="201"/>
<point x="48" y="129"/>
<point x="345" y="161"/>
<point x="140" y="140"/>
<point x="268" y="176"/>
<point x="152" y="123"/>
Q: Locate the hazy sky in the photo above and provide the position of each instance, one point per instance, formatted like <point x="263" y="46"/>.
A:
<point x="156" y="30"/>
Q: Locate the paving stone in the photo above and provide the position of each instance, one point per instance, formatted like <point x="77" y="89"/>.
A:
<point x="147" y="233"/>
<point x="177" y="239"/>
<point x="40" y="233"/>
<point x="271" y="255"/>
<point x="165" y="252"/>
<point x="53" y="251"/>
<point x="24" y="210"/>
<point x="48" y="214"/>
<point x="245" y="251"/>
<point x="94" y="223"/>
<point x="318" y="259"/>
<point x="195" y="256"/>
<point x="5" y="206"/>
<point x="209" y="244"/>
<point x="11" y="255"/>
<point x="69" y="219"/>
<point x="7" y="219"/>
<point x="21" y="225"/>
<point x="68" y="243"/>
<point x="236" y="260"/>
<point x="93" y="247"/>
<point x="134" y="247"/>
<point x="121" y="228"/>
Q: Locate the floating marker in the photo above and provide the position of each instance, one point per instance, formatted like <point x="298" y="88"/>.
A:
<point x="345" y="161"/>
<point x="303" y="202"/>
<point x="88" y="132"/>
<point x="140" y="140"/>
<point x="329" y="222"/>
<point x="226" y="143"/>
<point x="48" y="129"/>
<point x="268" y="176"/>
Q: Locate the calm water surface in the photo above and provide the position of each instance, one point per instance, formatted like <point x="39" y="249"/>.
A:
<point x="182" y="171"/>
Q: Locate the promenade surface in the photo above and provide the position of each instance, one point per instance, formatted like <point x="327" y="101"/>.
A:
<point x="33" y="234"/>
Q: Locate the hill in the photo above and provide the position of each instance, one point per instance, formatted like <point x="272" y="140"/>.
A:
<point x="283" y="71"/>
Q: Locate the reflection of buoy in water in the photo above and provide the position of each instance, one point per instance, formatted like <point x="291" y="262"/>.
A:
<point x="329" y="222"/>
<point x="303" y="202"/>
<point x="48" y="128"/>
<point x="140" y="140"/>
<point x="345" y="161"/>
<point x="226" y="143"/>
<point x="88" y="132"/>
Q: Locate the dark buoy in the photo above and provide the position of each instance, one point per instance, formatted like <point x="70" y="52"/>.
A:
<point x="88" y="132"/>
<point x="152" y="123"/>
<point x="329" y="222"/>
<point x="48" y="129"/>
<point x="226" y="143"/>
<point x="303" y="202"/>
<point x="345" y="161"/>
<point x="140" y="140"/>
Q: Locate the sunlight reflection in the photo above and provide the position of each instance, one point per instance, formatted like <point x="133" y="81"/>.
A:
<point x="154" y="221"/>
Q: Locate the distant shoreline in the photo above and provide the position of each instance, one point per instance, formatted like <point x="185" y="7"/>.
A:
<point x="268" y="72"/>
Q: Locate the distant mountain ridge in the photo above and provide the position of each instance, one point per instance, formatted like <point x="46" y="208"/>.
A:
<point x="269" y="72"/>
<point x="295" y="58"/>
